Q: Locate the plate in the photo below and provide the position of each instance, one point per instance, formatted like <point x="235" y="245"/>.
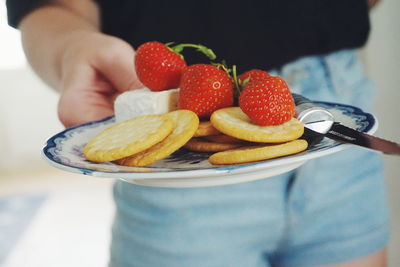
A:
<point x="191" y="169"/>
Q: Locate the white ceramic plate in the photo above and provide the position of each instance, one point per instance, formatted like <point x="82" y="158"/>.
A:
<point x="192" y="169"/>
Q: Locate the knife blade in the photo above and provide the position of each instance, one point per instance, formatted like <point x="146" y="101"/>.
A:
<point x="320" y="122"/>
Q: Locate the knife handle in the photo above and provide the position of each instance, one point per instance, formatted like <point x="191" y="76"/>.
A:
<point x="313" y="116"/>
<point x="299" y="99"/>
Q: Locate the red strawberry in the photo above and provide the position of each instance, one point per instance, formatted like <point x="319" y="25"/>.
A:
<point x="158" y="67"/>
<point x="205" y="88"/>
<point x="268" y="102"/>
<point x="253" y="76"/>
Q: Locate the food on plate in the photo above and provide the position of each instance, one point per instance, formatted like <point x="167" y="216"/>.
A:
<point x="159" y="66"/>
<point x="140" y="102"/>
<point x="206" y="129"/>
<point x="185" y="122"/>
<point x="259" y="152"/>
<point x="252" y="76"/>
<point x="234" y="122"/>
<point x="267" y="101"/>
<point x="201" y="145"/>
<point x="127" y="138"/>
<point x="244" y="119"/>
<point x="204" y="88"/>
<point x="223" y="138"/>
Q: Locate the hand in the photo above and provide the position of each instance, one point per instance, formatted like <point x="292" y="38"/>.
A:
<point x="95" y="68"/>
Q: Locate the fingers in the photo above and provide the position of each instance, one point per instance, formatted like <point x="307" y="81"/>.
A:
<point x="94" y="71"/>
<point x="86" y="96"/>
<point x="79" y="113"/>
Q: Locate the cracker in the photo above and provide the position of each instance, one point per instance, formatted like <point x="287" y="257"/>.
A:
<point x="201" y="145"/>
<point x="128" y="137"/>
<point x="206" y="129"/>
<point x="234" y="122"/>
<point x="186" y="123"/>
<point x="223" y="138"/>
<point x="257" y="153"/>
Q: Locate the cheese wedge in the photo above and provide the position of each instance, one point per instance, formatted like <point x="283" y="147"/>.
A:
<point x="140" y="102"/>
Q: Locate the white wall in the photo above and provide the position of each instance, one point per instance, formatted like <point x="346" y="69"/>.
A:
<point x="27" y="118"/>
<point x="27" y="106"/>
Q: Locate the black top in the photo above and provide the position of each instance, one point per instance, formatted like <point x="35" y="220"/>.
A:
<point x="252" y="34"/>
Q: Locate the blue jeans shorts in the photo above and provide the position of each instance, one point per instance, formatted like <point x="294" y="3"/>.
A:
<point x="332" y="209"/>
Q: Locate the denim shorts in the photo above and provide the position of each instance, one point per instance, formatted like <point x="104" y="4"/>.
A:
<point x="332" y="209"/>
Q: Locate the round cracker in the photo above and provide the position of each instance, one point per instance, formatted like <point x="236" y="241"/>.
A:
<point x="223" y="138"/>
<point x="257" y="153"/>
<point x="201" y="145"/>
<point x="128" y="137"/>
<point x="206" y="129"/>
<point x="186" y="123"/>
<point x="234" y="122"/>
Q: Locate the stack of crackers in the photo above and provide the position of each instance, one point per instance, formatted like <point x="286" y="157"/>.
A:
<point x="230" y="133"/>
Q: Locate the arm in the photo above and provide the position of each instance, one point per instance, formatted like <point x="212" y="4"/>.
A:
<point x="46" y="31"/>
<point x="64" y="46"/>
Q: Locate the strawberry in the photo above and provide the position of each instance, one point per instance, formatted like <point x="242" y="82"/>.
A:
<point x="268" y="102"/>
<point x="254" y="75"/>
<point x="205" y="88"/>
<point x="160" y="67"/>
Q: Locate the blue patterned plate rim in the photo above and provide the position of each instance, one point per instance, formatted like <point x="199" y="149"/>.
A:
<point x="369" y="126"/>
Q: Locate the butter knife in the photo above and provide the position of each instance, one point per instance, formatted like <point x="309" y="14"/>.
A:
<point x="320" y="122"/>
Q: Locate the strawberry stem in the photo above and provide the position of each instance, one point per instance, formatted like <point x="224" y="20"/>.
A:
<point x="201" y="48"/>
<point x="236" y="82"/>
<point x="222" y="66"/>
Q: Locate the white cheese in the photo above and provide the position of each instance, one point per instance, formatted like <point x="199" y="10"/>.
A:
<point x="140" y="102"/>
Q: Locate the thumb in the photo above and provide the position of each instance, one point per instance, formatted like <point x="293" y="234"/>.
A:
<point x="117" y="65"/>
